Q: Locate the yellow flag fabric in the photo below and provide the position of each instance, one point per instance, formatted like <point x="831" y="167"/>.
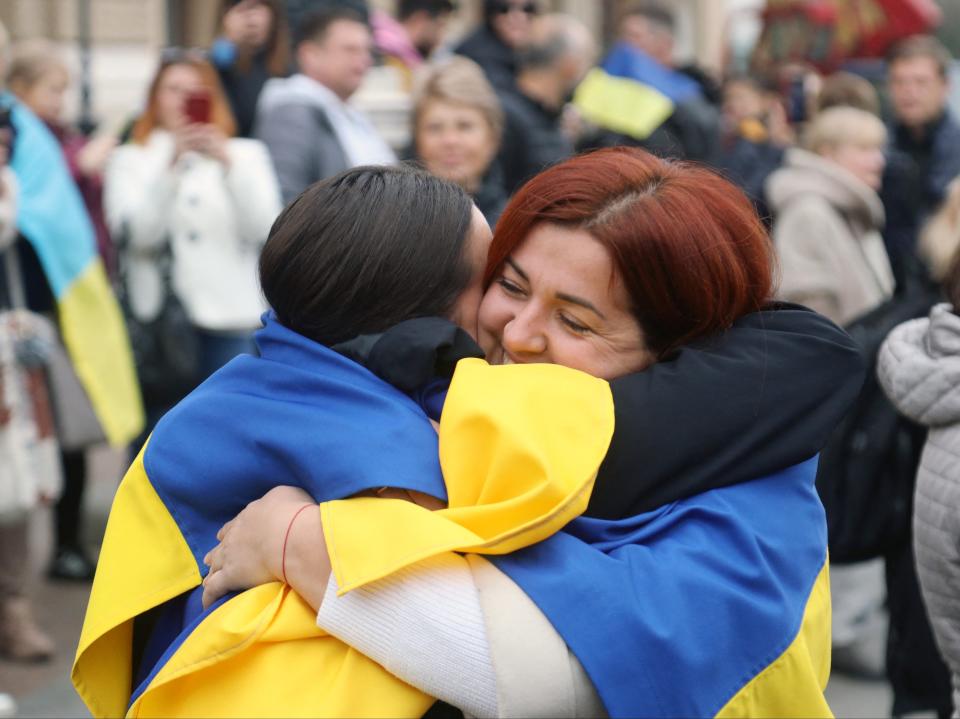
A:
<point x="520" y="448"/>
<point x="96" y="338"/>
<point x="513" y="477"/>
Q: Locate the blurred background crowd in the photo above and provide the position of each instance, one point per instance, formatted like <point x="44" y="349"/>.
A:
<point x="146" y="146"/>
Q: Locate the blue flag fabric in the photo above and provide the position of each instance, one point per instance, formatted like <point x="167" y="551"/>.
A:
<point x="627" y="62"/>
<point x="674" y="612"/>
<point x="300" y="415"/>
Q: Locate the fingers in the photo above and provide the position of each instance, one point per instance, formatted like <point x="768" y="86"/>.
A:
<point x="224" y="529"/>
<point x="214" y="587"/>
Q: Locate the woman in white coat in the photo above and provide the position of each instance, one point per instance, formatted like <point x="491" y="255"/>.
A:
<point x="191" y="206"/>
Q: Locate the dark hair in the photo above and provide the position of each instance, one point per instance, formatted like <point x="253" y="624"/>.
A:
<point x="654" y="12"/>
<point x="921" y="46"/>
<point x="433" y="8"/>
<point x="277" y="49"/>
<point x="313" y="26"/>
<point x="688" y="244"/>
<point x="365" y="250"/>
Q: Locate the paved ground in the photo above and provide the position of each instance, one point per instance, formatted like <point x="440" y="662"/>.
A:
<point x="45" y="690"/>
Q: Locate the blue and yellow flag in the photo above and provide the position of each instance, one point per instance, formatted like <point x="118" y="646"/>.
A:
<point x="519" y="447"/>
<point x="52" y="217"/>
<point x="717" y="605"/>
<point x="631" y="93"/>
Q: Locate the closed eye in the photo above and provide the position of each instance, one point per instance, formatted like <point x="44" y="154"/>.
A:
<point x="511" y="288"/>
<point x="573" y="325"/>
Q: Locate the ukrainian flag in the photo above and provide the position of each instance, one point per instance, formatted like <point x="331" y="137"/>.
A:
<point x="717" y="605"/>
<point x="519" y="447"/>
<point x="53" y="219"/>
<point x="631" y="93"/>
<point x="713" y="606"/>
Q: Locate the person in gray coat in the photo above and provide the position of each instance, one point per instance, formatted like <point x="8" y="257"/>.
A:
<point x="919" y="369"/>
<point x="305" y="120"/>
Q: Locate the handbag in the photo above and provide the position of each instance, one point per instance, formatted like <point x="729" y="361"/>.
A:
<point x="867" y="471"/>
<point x="166" y="348"/>
<point x="30" y="467"/>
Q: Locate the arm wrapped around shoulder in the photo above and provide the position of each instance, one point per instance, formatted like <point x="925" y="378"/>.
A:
<point x="519" y="445"/>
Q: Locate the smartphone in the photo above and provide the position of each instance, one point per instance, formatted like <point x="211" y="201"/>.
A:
<point x="197" y="107"/>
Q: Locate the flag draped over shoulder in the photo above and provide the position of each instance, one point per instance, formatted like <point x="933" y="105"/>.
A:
<point x="631" y="93"/>
<point x="717" y="605"/>
<point x="54" y="221"/>
<point x="519" y="447"/>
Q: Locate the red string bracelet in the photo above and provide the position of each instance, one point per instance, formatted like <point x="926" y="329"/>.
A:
<point x="283" y="556"/>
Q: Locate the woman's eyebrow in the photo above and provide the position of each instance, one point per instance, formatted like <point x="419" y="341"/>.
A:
<point x="562" y="296"/>
<point x="581" y="302"/>
<point x="516" y="268"/>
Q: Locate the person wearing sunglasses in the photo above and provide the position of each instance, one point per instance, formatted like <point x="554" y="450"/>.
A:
<point x="507" y="26"/>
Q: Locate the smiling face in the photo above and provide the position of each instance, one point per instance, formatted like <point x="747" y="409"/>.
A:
<point x="455" y="142"/>
<point x="559" y="300"/>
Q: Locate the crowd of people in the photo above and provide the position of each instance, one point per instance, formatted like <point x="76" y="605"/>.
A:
<point x="165" y="247"/>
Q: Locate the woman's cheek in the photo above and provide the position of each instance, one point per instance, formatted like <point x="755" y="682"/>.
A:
<point x="496" y="311"/>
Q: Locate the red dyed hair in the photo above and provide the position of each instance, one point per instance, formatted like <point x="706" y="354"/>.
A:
<point x="220" y="113"/>
<point x="691" y="251"/>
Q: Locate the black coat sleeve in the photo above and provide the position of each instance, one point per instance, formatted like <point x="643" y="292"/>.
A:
<point x="761" y="397"/>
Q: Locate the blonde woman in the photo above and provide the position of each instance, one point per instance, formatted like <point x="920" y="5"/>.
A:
<point x="457" y="124"/>
<point x="192" y="206"/>
<point x="828" y="216"/>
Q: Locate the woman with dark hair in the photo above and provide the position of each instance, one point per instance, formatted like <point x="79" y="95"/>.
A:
<point x="254" y="45"/>
<point x="644" y="273"/>
<point x="576" y="277"/>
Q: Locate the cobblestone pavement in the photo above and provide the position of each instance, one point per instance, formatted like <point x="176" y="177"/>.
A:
<point x="45" y="690"/>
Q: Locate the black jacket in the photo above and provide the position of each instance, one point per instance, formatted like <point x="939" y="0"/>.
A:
<point x="498" y="60"/>
<point x="243" y="90"/>
<point x="532" y="139"/>
<point x="915" y="181"/>
<point x="491" y="198"/>
<point x="756" y="399"/>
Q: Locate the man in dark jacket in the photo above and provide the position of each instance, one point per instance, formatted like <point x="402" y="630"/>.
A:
<point x="560" y="51"/>
<point x="926" y="139"/>
<point x="506" y="28"/>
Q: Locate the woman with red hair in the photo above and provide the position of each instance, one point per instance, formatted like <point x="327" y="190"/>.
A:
<point x="190" y="206"/>
<point x="695" y="583"/>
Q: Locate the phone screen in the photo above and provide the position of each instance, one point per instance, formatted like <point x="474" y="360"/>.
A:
<point x="197" y="107"/>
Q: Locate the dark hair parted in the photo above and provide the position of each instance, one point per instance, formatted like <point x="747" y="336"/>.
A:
<point x="315" y="25"/>
<point x="365" y="250"/>
<point x="433" y="8"/>
<point x="688" y="244"/>
<point x="921" y="46"/>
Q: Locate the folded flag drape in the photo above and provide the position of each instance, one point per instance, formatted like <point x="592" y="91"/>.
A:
<point x="519" y="447"/>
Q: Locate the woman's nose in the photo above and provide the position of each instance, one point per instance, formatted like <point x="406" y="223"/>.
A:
<point x="523" y="336"/>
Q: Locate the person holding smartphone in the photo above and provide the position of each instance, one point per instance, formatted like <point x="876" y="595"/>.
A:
<point x="191" y="206"/>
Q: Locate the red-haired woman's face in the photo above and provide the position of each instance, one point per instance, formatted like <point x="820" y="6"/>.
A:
<point x="177" y="82"/>
<point x="558" y="300"/>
